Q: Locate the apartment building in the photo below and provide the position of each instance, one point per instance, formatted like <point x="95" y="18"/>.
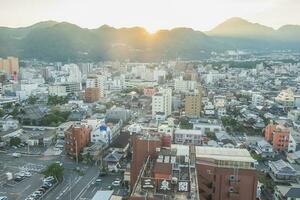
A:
<point x="92" y="95"/>
<point x="278" y="136"/>
<point x="225" y="173"/>
<point x="10" y="65"/>
<point x="77" y="136"/>
<point x="193" y="104"/>
<point x="162" y="102"/>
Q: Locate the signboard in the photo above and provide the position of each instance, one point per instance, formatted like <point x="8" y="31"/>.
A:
<point x="164" y="185"/>
<point x="148" y="183"/>
<point x="183" y="186"/>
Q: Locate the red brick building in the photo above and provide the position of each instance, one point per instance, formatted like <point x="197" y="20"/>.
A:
<point x="76" y="138"/>
<point x="149" y="91"/>
<point x="142" y="147"/>
<point x="225" y="173"/>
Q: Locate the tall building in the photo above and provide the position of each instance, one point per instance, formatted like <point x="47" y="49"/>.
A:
<point x="192" y="104"/>
<point x="74" y="73"/>
<point x="225" y="173"/>
<point x="162" y="102"/>
<point x="77" y="137"/>
<point x="10" y="66"/>
<point x="97" y="81"/>
<point x="92" y="95"/>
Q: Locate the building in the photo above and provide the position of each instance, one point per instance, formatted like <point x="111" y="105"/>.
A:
<point x="287" y="192"/>
<point x="97" y="81"/>
<point x="283" y="172"/>
<point x="184" y="86"/>
<point x="257" y="100"/>
<point x="142" y="147"/>
<point x="63" y="89"/>
<point x="162" y="102"/>
<point x="286" y="98"/>
<point x="149" y="91"/>
<point x="278" y="135"/>
<point x="92" y="95"/>
<point x="225" y="173"/>
<point x="77" y="137"/>
<point x="188" y="137"/>
<point x="10" y="66"/>
<point x="264" y="149"/>
<point x="170" y="175"/>
<point x="193" y="104"/>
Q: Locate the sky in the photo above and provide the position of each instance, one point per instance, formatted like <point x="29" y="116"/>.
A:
<point x="151" y="14"/>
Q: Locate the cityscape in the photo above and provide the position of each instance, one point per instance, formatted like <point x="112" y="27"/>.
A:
<point x="115" y="113"/>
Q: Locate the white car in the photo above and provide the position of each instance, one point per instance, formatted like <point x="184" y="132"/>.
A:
<point x="3" y="198"/>
<point x="27" y="174"/>
<point x="116" y="183"/>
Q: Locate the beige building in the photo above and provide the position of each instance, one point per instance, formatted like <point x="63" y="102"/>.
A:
<point x="193" y="103"/>
<point x="9" y="65"/>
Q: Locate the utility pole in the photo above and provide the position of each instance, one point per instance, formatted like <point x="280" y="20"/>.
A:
<point x="76" y="151"/>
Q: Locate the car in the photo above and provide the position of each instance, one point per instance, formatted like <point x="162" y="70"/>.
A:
<point x="101" y="174"/>
<point x="109" y="187"/>
<point x="18" y="178"/>
<point x="60" y="163"/>
<point x="116" y="183"/>
<point x="49" y="185"/>
<point x="39" y="193"/>
<point x="3" y="198"/>
<point x="27" y="174"/>
<point x="43" y="190"/>
<point x="49" y="179"/>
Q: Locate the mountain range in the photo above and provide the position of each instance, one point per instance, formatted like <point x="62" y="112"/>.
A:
<point x="54" y="41"/>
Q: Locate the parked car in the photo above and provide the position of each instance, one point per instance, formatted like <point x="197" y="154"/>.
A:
<point x="27" y="174"/>
<point x="116" y="183"/>
<point x="3" y="198"/>
<point x="18" y="178"/>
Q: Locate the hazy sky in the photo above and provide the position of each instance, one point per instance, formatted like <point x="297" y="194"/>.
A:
<point x="151" y="14"/>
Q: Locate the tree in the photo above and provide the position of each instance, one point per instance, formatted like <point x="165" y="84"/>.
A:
<point x="185" y="124"/>
<point x="57" y="100"/>
<point x="32" y="99"/>
<point x="2" y="112"/>
<point x="55" y="170"/>
<point x="14" y="141"/>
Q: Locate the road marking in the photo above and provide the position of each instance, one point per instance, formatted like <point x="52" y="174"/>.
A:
<point x="80" y="193"/>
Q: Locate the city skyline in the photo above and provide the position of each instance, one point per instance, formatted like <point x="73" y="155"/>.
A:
<point x="155" y="15"/>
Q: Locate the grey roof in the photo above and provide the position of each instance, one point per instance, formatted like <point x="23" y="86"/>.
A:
<point x="263" y="144"/>
<point x="282" y="167"/>
<point x="289" y="191"/>
<point x="113" y="157"/>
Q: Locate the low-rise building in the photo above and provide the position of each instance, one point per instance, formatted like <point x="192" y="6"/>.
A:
<point x="188" y="137"/>
<point x="283" y="172"/>
<point x="287" y="192"/>
<point x="77" y="137"/>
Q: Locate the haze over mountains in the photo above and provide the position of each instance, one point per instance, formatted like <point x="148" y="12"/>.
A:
<point x="53" y="41"/>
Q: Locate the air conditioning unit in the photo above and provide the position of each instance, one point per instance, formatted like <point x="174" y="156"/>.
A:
<point x="231" y="190"/>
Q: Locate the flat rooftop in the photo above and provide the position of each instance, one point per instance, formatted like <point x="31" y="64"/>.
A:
<point x="224" y="154"/>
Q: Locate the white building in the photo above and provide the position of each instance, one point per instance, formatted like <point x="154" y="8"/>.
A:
<point x="183" y="86"/>
<point x="188" y="137"/>
<point x="257" y="100"/>
<point x="74" y="73"/>
<point x="285" y="98"/>
<point x="63" y="89"/>
<point x="97" y="81"/>
<point x="162" y="102"/>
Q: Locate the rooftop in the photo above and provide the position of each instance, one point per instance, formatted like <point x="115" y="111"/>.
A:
<point x="223" y="154"/>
